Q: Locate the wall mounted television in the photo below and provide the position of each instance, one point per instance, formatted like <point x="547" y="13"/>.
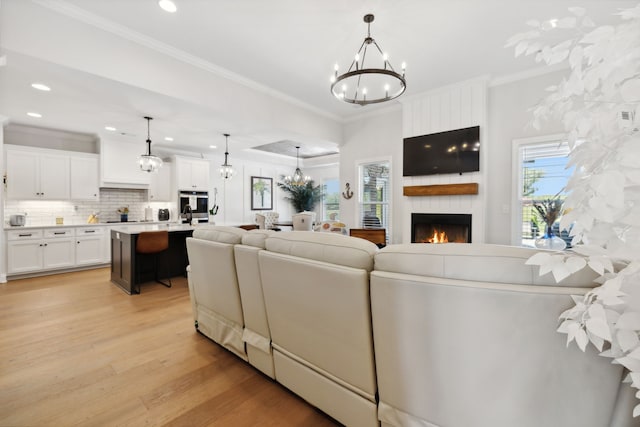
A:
<point x="454" y="151"/>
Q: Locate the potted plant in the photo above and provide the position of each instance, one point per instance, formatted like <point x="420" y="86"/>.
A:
<point x="124" y="213"/>
<point x="302" y="197"/>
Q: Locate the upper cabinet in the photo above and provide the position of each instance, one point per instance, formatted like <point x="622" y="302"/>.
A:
<point x="192" y="174"/>
<point x="160" y="186"/>
<point x="85" y="184"/>
<point x="119" y="165"/>
<point x="37" y="175"/>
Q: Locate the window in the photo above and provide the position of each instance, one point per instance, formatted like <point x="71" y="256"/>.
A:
<point x="541" y="170"/>
<point x="331" y="199"/>
<point x="375" y="195"/>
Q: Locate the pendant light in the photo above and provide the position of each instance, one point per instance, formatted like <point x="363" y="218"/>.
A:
<point x="148" y="162"/>
<point x="226" y="170"/>
<point x="298" y="177"/>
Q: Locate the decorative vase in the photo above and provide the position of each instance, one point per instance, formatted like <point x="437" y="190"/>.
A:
<point x="550" y="241"/>
<point x="124" y="217"/>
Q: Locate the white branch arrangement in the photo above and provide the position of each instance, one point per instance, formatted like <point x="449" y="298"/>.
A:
<point x="599" y="106"/>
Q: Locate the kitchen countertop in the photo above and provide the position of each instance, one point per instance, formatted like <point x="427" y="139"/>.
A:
<point x="84" y="224"/>
<point x="139" y="228"/>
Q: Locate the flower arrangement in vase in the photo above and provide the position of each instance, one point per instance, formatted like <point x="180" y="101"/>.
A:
<point x="549" y="211"/>
<point x="124" y="213"/>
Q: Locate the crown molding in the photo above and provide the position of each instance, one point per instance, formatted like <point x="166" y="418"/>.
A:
<point x="528" y="74"/>
<point x="72" y="11"/>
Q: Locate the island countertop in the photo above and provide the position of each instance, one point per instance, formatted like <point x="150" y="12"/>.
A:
<point x="137" y="229"/>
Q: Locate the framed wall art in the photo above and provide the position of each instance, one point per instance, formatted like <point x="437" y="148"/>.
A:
<point x="261" y="193"/>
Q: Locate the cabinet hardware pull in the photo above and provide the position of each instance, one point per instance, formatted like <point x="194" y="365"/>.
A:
<point x="25" y="235"/>
<point x="89" y="231"/>
<point x="45" y="244"/>
<point x="59" y="232"/>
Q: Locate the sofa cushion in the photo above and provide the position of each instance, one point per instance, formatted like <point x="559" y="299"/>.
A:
<point x="218" y="233"/>
<point x="326" y="247"/>
<point x="474" y="262"/>
<point x="257" y="238"/>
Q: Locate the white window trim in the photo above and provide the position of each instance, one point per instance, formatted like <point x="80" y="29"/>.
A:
<point x="516" y="174"/>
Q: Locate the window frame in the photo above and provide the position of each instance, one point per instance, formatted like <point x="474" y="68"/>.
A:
<point x="389" y="196"/>
<point x="516" y="184"/>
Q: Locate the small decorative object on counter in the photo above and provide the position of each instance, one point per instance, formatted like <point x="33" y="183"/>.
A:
<point x="124" y="214"/>
<point x="93" y="218"/>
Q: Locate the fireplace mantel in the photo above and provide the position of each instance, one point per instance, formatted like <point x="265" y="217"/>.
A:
<point x="441" y="190"/>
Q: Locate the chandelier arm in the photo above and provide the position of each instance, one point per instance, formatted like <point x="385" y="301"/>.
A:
<point x="354" y="61"/>
<point x="364" y="54"/>
<point x="386" y="61"/>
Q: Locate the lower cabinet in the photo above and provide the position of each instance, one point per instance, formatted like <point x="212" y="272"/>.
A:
<point x="33" y="250"/>
<point x="89" y="245"/>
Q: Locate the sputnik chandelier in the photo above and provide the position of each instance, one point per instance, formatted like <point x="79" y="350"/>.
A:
<point x="298" y="177"/>
<point x="371" y="83"/>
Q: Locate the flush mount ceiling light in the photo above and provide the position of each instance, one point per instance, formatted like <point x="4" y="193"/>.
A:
<point x="168" y="6"/>
<point x="298" y="177"/>
<point x="371" y="83"/>
<point x="226" y="170"/>
<point x="149" y="162"/>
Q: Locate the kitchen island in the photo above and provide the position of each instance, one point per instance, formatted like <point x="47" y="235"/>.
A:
<point x="128" y="269"/>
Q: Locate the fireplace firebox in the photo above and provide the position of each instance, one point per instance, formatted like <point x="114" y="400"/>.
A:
<point x="440" y="228"/>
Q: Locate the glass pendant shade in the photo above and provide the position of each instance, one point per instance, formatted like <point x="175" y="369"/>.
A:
<point x="226" y="170"/>
<point x="298" y="177"/>
<point x="148" y="162"/>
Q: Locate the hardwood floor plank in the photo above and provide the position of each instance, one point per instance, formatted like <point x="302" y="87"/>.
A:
<point x="77" y="351"/>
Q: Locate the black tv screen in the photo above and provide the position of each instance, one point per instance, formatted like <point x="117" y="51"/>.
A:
<point x="454" y="151"/>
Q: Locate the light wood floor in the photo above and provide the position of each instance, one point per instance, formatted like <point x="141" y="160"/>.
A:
<point x="76" y="350"/>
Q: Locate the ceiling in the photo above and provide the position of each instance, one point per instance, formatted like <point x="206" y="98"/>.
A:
<point x="285" y="48"/>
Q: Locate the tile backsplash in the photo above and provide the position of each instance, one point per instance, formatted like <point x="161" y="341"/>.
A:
<point x="41" y="212"/>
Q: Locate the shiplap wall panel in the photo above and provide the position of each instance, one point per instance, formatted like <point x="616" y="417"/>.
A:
<point x="453" y="107"/>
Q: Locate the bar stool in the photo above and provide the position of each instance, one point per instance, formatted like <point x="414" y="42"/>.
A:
<point x="152" y="243"/>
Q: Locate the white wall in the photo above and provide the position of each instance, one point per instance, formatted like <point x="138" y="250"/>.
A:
<point x="509" y="116"/>
<point x="376" y="137"/>
<point x="3" y="257"/>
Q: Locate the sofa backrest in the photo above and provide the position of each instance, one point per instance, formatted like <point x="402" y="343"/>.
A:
<point x="326" y="247"/>
<point x="476" y="262"/>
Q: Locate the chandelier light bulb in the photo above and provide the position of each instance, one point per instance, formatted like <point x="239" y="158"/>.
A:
<point x="385" y="57"/>
<point x="333" y="79"/>
<point x="335" y="66"/>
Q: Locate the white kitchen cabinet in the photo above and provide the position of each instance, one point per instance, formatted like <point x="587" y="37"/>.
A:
<point x="33" y="175"/>
<point x="33" y="250"/>
<point x="192" y="174"/>
<point x="85" y="177"/>
<point x="89" y="245"/>
<point x="119" y="165"/>
<point x="160" y="185"/>
<point x="58" y="253"/>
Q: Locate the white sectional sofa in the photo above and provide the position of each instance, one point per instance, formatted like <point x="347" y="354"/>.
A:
<point x="453" y="335"/>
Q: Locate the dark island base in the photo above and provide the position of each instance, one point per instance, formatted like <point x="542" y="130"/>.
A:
<point x="129" y="269"/>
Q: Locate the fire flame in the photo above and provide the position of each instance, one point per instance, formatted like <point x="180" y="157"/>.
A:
<point x="438" y="237"/>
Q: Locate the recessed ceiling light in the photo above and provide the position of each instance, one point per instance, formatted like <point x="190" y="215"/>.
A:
<point x="168" y="6"/>
<point x="36" y="115"/>
<point x="212" y="146"/>
<point x="110" y="128"/>
<point x="168" y="138"/>
<point x="41" y="87"/>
